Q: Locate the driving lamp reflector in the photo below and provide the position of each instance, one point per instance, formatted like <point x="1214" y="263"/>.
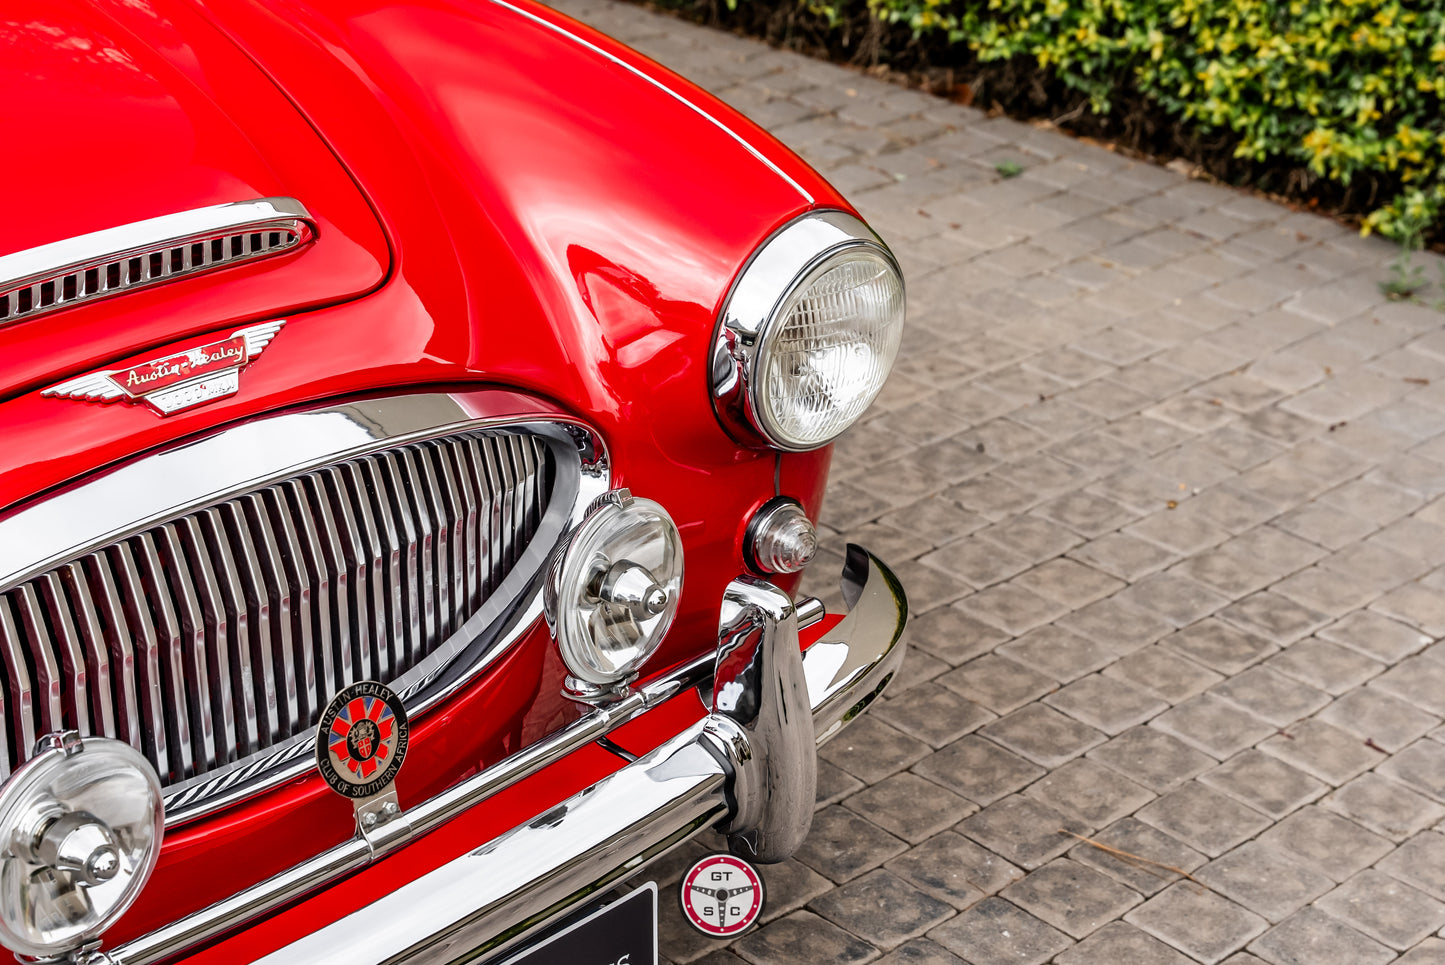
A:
<point x="616" y="589"/>
<point x="825" y="355"/>
<point x="80" y="825"/>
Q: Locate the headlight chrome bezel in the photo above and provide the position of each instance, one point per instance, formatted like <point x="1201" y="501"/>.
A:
<point x="752" y="311"/>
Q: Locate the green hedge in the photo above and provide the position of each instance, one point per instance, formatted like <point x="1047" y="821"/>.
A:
<point x="1350" y="90"/>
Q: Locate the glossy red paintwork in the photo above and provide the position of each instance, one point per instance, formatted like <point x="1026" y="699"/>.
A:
<point x="554" y="224"/>
<point x="139" y="111"/>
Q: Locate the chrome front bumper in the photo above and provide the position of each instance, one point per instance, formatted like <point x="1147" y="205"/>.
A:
<point x="747" y="768"/>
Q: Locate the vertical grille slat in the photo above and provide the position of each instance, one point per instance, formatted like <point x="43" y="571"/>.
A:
<point x="216" y="635"/>
<point x="105" y="701"/>
<point x="307" y="546"/>
<point x="153" y="616"/>
<point x="132" y="657"/>
<point x="20" y="692"/>
<point x="208" y="722"/>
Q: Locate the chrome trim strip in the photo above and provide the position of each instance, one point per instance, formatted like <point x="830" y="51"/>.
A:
<point x="779" y="265"/>
<point x="63" y="266"/>
<point x="525" y="879"/>
<point x="742" y="142"/>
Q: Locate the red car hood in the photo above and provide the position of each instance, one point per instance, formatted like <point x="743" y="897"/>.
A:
<point x="120" y="112"/>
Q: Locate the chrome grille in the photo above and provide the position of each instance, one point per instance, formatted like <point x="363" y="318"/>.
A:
<point x="208" y="638"/>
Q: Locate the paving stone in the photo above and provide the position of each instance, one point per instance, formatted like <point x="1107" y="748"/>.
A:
<point x="1137" y="854"/>
<point x="1106" y="703"/>
<point x="1214" y="726"/>
<point x="997" y="932"/>
<point x="1421" y="767"/>
<point x="842" y="845"/>
<point x="1429" y="952"/>
<point x="1042" y="734"/>
<point x="1090" y="791"/>
<point x="1181" y="532"/>
<point x="791" y="885"/>
<point x="978" y="769"/>
<point x="997" y="683"/>
<point x="1417" y="680"/>
<point x="1152" y="758"/>
<point x="1023" y="831"/>
<point x="1415" y="604"/>
<point x="1387" y="910"/>
<point x="1384" y="807"/>
<point x="1203" y="818"/>
<point x="1326" y="842"/>
<point x="1069" y="582"/>
<point x="1311" y="937"/>
<point x="1271" y="696"/>
<point x="953" y="868"/>
<point x="978" y="563"/>
<point x="1219" y="646"/>
<point x="920" y="951"/>
<point x="1115" y="625"/>
<point x="1198" y="922"/>
<point x="1421" y="862"/>
<point x="1324" y="665"/>
<point x="932" y="713"/>
<point x="871" y="750"/>
<point x="882" y="909"/>
<point x="910" y="807"/>
<point x="834" y="783"/>
<point x="1156" y="669"/>
<point x="1118" y="943"/>
<point x="1374" y="715"/>
<point x="1179" y="600"/>
<point x="1321" y="749"/>
<point x="1264" y="783"/>
<point x="1057" y="652"/>
<point x="1012" y="608"/>
<point x="1072" y="897"/>
<point x="952" y="635"/>
<point x="1125" y="556"/>
<point x="1086" y="513"/>
<point x="1275" y="617"/>
<point x="1225" y="572"/>
<point x="802" y="936"/>
<point x="1264" y="880"/>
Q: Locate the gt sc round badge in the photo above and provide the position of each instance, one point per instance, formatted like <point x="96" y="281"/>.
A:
<point x="361" y="739"/>
<point x="722" y="895"/>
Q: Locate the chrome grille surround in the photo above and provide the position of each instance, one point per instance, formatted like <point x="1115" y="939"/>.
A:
<point x="212" y="521"/>
<point x="91" y="266"/>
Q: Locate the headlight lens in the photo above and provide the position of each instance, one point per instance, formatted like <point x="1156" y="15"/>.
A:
<point x="80" y="825"/>
<point x="615" y="589"/>
<point x="809" y="333"/>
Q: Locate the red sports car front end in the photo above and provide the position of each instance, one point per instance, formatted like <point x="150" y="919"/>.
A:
<point x="423" y="379"/>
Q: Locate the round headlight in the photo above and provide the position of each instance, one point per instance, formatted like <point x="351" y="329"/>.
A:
<point x="615" y="590"/>
<point x="80" y="825"/>
<point x="809" y="333"/>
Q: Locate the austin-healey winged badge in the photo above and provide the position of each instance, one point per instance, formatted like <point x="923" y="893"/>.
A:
<point x="178" y="381"/>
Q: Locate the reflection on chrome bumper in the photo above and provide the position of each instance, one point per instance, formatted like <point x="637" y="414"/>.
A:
<point x="747" y="768"/>
<point x="486" y="900"/>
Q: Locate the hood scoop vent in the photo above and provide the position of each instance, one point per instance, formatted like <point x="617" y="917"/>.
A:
<point x="102" y="263"/>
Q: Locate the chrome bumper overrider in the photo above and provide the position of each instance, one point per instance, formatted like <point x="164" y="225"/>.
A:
<point x="747" y="768"/>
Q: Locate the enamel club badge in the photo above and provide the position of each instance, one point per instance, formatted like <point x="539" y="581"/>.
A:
<point x="722" y="895"/>
<point x="361" y="740"/>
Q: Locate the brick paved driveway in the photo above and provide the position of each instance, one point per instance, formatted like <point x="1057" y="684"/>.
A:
<point x="1163" y="476"/>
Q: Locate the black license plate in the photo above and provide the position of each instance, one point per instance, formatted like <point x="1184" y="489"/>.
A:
<point x="622" y="933"/>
